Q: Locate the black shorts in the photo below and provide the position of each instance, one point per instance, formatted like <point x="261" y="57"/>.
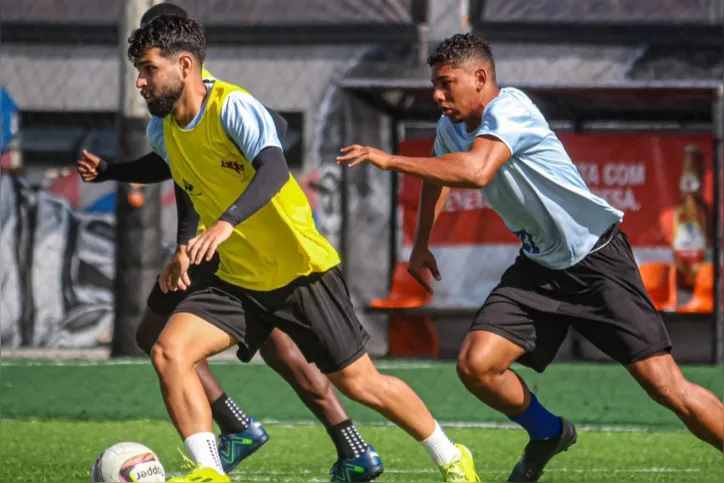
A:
<point x="315" y="311"/>
<point x="602" y="297"/>
<point x="165" y="303"/>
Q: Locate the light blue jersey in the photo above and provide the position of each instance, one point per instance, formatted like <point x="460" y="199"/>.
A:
<point x="538" y="192"/>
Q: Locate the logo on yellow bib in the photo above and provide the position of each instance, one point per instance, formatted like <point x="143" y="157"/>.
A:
<point x="236" y="167"/>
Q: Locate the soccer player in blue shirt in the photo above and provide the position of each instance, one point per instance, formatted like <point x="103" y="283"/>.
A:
<point x="575" y="268"/>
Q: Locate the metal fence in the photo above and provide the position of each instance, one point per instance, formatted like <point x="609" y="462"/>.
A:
<point x="342" y="71"/>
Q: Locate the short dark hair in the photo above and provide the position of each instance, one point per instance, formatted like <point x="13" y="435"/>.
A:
<point x="172" y="34"/>
<point x="161" y="9"/>
<point x="460" y="48"/>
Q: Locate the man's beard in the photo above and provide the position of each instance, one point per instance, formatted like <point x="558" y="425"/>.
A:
<point x="164" y="103"/>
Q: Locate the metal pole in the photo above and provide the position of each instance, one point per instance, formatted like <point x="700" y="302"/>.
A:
<point x="420" y="10"/>
<point x="394" y="202"/>
<point x="718" y="315"/>
<point x="344" y="188"/>
<point x="138" y="220"/>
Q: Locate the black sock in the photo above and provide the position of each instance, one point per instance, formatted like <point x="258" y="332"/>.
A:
<point x="230" y="418"/>
<point x="347" y="439"/>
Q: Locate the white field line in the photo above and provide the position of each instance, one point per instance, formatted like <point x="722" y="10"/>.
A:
<point x="313" y="476"/>
<point x="483" y="425"/>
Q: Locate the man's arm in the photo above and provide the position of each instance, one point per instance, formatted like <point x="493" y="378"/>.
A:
<point x="175" y="276"/>
<point x="432" y="201"/>
<point x="472" y="169"/>
<point x="148" y="169"/>
<point x="255" y="131"/>
<point x="271" y="175"/>
<point x="188" y="219"/>
<point x="152" y="168"/>
<point x="432" y="198"/>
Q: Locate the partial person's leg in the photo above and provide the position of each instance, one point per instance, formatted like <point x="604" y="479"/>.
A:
<point x="147" y="334"/>
<point x="314" y="389"/>
<point x="328" y="332"/>
<point x="484" y="368"/>
<point x="241" y="435"/>
<point x="160" y="306"/>
<point x="396" y="401"/>
<point x="517" y="323"/>
<point x="699" y="409"/>
<point x="630" y="330"/>
<point x="185" y="341"/>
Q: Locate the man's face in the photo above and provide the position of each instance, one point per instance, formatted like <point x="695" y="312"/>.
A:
<point x="160" y="80"/>
<point x="456" y="89"/>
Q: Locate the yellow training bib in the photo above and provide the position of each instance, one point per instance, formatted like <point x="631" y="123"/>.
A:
<point x="277" y="244"/>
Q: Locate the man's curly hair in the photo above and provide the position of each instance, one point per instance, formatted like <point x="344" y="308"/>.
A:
<point x="170" y="33"/>
<point x="460" y="48"/>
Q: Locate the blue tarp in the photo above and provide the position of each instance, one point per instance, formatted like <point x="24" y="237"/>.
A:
<point x="8" y="109"/>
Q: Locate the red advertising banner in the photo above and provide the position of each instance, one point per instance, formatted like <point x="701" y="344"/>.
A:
<point x="662" y="183"/>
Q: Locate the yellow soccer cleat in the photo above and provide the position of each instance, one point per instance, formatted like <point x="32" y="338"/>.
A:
<point x="202" y="474"/>
<point x="199" y="474"/>
<point x="461" y="469"/>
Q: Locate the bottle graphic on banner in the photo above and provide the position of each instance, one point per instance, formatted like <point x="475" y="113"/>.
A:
<point x="690" y="221"/>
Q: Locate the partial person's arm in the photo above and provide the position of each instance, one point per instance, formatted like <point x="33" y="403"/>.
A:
<point x="152" y="168"/>
<point x="148" y="169"/>
<point x="508" y="127"/>
<point x="432" y="201"/>
<point x="472" y="169"/>
<point x="175" y="275"/>
<point x="188" y="219"/>
<point x="252" y="128"/>
<point x="271" y="175"/>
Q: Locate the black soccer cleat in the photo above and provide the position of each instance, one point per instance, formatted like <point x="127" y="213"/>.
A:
<point x="538" y="453"/>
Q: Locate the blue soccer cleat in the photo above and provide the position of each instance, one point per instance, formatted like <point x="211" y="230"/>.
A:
<point x="235" y="448"/>
<point x="365" y="467"/>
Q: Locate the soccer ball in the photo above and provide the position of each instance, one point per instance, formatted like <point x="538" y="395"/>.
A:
<point x="124" y="462"/>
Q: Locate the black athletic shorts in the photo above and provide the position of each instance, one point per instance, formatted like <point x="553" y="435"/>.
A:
<point x="165" y="303"/>
<point x="602" y="297"/>
<point x="315" y="311"/>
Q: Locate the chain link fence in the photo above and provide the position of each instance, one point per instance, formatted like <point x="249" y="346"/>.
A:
<point x="593" y="67"/>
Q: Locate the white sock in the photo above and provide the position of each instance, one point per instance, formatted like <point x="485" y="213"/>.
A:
<point x="202" y="448"/>
<point x="441" y="449"/>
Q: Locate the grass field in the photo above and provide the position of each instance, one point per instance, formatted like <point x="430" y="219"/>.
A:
<point x="56" y="418"/>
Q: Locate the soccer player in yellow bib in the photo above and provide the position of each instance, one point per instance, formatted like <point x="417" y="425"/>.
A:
<point x="241" y="435"/>
<point x="276" y="270"/>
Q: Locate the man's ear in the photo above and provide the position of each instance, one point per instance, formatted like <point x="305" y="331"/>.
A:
<point x="481" y="77"/>
<point x="187" y="64"/>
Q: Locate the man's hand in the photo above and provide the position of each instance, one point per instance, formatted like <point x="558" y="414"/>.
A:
<point x="422" y="259"/>
<point x="175" y="276"/>
<point x="88" y="166"/>
<point x="203" y="246"/>
<point x="356" y="154"/>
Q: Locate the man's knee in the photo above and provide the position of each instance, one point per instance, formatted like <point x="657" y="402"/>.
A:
<point x="361" y="382"/>
<point x="167" y="355"/>
<point x="483" y="358"/>
<point x="663" y="381"/>
<point x="477" y="368"/>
